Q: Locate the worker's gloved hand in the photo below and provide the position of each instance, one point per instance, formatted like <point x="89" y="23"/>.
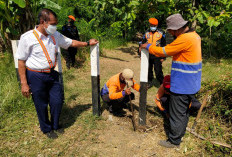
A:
<point x="128" y="91"/>
<point x="93" y="42"/>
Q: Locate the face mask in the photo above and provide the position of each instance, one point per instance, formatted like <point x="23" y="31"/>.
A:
<point x="153" y="28"/>
<point x="51" y="29"/>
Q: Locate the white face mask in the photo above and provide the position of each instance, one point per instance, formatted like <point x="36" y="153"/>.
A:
<point x="153" y="28"/>
<point x="51" y="29"/>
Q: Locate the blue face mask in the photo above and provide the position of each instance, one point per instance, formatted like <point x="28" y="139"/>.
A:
<point x="153" y="28"/>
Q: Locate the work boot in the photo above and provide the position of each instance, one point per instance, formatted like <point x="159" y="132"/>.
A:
<point x="51" y="135"/>
<point x="168" y="144"/>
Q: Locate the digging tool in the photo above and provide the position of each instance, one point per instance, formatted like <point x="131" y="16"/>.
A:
<point x="132" y="111"/>
<point x="200" y="110"/>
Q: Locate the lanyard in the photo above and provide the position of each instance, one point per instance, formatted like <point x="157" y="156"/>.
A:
<point x="45" y="50"/>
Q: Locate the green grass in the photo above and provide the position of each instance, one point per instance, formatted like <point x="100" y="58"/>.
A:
<point x="19" y="128"/>
<point x="214" y="69"/>
<point x="112" y="43"/>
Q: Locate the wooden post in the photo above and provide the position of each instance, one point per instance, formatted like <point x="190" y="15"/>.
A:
<point x="14" y="44"/>
<point x="95" y="78"/>
<point x="143" y="86"/>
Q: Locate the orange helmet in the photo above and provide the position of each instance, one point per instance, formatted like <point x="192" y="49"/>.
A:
<point x="72" y="17"/>
<point x="153" y="21"/>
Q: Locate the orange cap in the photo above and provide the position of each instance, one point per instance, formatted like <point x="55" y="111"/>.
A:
<point x="72" y="17"/>
<point x="153" y="21"/>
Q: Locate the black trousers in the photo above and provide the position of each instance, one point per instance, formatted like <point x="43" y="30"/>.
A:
<point x="157" y="65"/>
<point x="46" y="90"/>
<point x="179" y="116"/>
<point x="117" y="104"/>
<point x="70" y="56"/>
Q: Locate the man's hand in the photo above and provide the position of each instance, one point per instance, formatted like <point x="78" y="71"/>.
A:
<point x="161" y="60"/>
<point x="93" y="42"/>
<point x="143" y="46"/>
<point x="25" y="90"/>
<point x="128" y="91"/>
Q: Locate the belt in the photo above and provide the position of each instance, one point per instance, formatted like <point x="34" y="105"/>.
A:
<point x="42" y="70"/>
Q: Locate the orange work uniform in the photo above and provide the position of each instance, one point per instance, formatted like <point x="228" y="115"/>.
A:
<point x="115" y="89"/>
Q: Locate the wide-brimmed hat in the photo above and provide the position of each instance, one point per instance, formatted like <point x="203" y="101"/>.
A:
<point x="175" y="22"/>
<point x="128" y="74"/>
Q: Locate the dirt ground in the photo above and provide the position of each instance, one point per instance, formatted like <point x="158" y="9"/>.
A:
<point x="118" y="139"/>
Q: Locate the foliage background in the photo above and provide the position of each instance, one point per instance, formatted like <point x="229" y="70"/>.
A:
<point x="114" y="22"/>
<point x="122" y="19"/>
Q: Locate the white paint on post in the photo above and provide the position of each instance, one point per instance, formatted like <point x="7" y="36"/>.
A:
<point x="95" y="79"/>
<point x="59" y="65"/>
<point x="144" y="65"/>
<point x="14" y="44"/>
<point x="94" y="55"/>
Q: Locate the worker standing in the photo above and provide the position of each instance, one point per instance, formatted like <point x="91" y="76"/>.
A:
<point x="185" y="74"/>
<point x="154" y="36"/>
<point x="36" y="53"/>
<point x="162" y="98"/>
<point x="70" y="30"/>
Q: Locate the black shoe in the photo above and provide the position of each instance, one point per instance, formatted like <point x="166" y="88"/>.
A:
<point x="120" y="113"/>
<point x="60" y="130"/>
<point x="168" y="144"/>
<point x="125" y="106"/>
<point x="110" y="109"/>
<point x="51" y="135"/>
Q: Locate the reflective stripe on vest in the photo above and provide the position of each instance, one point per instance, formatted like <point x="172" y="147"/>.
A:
<point x="153" y="38"/>
<point x="185" y="77"/>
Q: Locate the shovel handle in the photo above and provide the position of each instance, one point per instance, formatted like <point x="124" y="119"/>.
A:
<point x="200" y="110"/>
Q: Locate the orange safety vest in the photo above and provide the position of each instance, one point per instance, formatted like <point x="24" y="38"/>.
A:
<point x="46" y="54"/>
<point x="154" y="38"/>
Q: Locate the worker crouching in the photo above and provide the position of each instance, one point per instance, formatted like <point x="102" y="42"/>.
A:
<point x="162" y="98"/>
<point x="117" y="90"/>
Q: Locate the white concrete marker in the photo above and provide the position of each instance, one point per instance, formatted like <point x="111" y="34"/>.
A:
<point x="95" y="78"/>
<point x="143" y="86"/>
<point x="14" y="44"/>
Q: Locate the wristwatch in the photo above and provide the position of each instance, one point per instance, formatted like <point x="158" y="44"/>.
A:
<point x="157" y="99"/>
<point x="87" y="43"/>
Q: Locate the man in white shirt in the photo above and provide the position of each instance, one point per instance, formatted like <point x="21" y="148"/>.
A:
<point x="36" y="55"/>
